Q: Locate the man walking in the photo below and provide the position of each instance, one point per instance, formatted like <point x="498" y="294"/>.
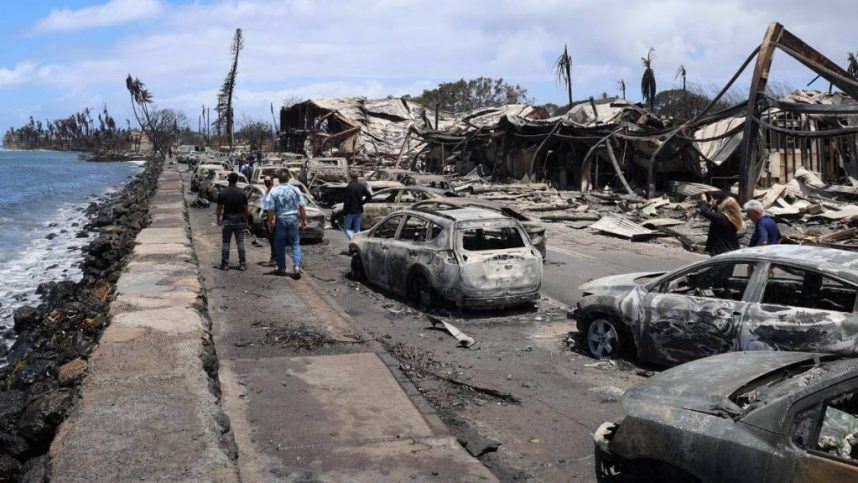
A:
<point x="287" y="203"/>
<point x="357" y="195"/>
<point x="232" y="216"/>
<point x="266" y="209"/>
<point x="765" y="229"/>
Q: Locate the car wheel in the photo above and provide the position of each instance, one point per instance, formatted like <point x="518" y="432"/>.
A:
<point x="605" y="338"/>
<point x="337" y="222"/>
<point x="357" y="272"/>
<point x="420" y="292"/>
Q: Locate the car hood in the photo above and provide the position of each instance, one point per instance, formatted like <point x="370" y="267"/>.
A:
<point x="705" y="385"/>
<point x="615" y="284"/>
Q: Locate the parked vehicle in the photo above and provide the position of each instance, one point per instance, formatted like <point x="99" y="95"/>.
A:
<point x="259" y="173"/>
<point x="388" y="174"/>
<point x="534" y="227"/>
<point x="781" y="297"/>
<point x="217" y="180"/>
<point x="472" y="257"/>
<point x="746" y="416"/>
<point x="384" y="202"/>
<point x="315" y="231"/>
<point x="201" y="172"/>
<point x="329" y="194"/>
<point x="428" y="180"/>
<point x="323" y="170"/>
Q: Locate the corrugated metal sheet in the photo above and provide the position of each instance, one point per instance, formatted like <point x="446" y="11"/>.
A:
<point x="719" y="150"/>
<point x="621" y="227"/>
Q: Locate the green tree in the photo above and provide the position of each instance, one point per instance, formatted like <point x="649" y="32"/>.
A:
<point x="464" y="96"/>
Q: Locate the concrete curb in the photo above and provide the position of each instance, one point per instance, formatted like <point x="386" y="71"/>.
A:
<point x="149" y="408"/>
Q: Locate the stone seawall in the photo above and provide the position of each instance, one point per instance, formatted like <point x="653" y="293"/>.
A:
<point x="148" y="405"/>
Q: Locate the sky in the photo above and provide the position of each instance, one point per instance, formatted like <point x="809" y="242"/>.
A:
<point x="61" y="56"/>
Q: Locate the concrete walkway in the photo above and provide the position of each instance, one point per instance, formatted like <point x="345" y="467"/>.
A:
<point x="331" y="413"/>
<point x="148" y="409"/>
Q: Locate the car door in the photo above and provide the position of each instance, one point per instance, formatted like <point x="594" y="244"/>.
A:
<point x="377" y="247"/>
<point x="801" y="310"/>
<point x="379" y="207"/>
<point x="695" y="313"/>
<point x="818" y="438"/>
<point x="406" y="250"/>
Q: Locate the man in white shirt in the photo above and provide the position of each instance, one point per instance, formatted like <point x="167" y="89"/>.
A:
<point x="266" y="207"/>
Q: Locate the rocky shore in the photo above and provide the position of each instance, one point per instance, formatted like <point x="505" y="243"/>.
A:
<point x="39" y="383"/>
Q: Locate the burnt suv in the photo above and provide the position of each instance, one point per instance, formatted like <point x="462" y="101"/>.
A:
<point x="472" y="257"/>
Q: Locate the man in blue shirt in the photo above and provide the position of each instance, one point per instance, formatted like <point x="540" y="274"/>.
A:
<point x="287" y="203"/>
<point x="765" y="229"/>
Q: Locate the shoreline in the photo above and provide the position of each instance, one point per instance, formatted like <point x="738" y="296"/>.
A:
<point x="39" y="383"/>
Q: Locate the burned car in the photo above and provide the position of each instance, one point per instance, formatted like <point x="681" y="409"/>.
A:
<point x="259" y="173"/>
<point x="472" y="257"/>
<point x="385" y="202"/>
<point x="201" y="172"/>
<point x="315" y="231"/>
<point x="388" y="174"/>
<point x="217" y="180"/>
<point x="780" y="297"/>
<point x="745" y="416"/>
<point x="332" y="193"/>
<point x="323" y="170"/>
<point x="534" y="227"/>
<point x="427" y="180"/>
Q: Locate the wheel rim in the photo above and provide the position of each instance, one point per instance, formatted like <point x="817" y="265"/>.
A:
<point x="602" y="338"/>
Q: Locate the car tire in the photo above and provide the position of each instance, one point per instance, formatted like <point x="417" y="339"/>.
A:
<point x="605" y="337"/>
<point x="337" y="222"/>
<point x="420" y="291"/>
<point x="357" y="273"/>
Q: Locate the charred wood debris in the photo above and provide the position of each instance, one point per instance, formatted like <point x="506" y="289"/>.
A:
<point x="615" y="167"/>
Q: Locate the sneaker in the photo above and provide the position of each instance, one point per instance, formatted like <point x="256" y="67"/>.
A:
<point x="242" y="267"/>
<point x="224" y="266"/>
<point x="298" y="271"/>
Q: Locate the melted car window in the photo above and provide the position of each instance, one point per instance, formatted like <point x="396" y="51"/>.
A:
<point x="501" y="238"/>
<point x="435" y="230"/>
<point x="388" y="228"/>
<point x="720" y="281"/>
<point x="414" y="229"/>
<point x="795" y="287"/>
<point x="838" y="434"/>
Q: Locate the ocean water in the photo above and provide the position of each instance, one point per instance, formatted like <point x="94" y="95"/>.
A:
<point x="44" y="192"/>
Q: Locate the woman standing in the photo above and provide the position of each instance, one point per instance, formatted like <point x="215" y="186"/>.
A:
<point x="725" y="223"/>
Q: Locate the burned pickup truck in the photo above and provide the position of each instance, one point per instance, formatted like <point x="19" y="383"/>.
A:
<point x="472" y="257"/>
<point x="782" y="297"/>
<point x="746" y="416"/>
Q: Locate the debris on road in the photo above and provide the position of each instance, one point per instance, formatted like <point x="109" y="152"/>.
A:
<point x="464" y="339"/>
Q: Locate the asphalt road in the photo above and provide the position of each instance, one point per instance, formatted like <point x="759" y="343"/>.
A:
<point x="563" y="395"/>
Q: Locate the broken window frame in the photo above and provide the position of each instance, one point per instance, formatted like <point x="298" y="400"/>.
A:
<point x="385" y="221"/>
<point x="659" y="286"/>
<point x="766" y="271"/>
<point x="460" y="238"/>
<point x="404" y="225"/>
<point x="817" y="403"/>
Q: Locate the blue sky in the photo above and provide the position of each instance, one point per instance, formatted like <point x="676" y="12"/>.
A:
<point x="60" y="56"/>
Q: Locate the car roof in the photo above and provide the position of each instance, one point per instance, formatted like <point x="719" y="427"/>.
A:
<point x="706" y="385"/>
<point x="828" y="260"/>
<point x="463" y="201"/>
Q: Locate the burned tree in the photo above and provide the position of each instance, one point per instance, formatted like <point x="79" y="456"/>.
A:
<point x="621" y="85"/>
<point x="852" y="69"/>
<point x="225" y="96"/>
<point x="648" y="79"/>
<point x="563" y="68"/>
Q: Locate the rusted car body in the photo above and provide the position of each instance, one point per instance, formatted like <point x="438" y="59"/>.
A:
<point x="389" y="174"/>
<point x="746" y="416"/>
<point x="385" y="202"/>
<point x="324" y="170"/>
<point x="260" y="172"/>
<point x="329" y="194"/>
<point x="534" y="228"/>
<point x="315" y="230"/>
<point x="472" y="257"/>
<point x="781" y="297"/>
<point x="217" y="180"/>
<point x="428" y="180"/>
<point x="201" y="172"/>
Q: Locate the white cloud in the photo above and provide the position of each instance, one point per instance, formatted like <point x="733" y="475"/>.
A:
<point x="389" y="47"/>
<point x="20" y="74"/>
<point x="114" y="12"/>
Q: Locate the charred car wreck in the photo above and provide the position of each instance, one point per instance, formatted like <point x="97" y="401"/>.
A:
<point x="782" y="297"/>
<point x="472" y="257"/>
<point x="748" y="416"/>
